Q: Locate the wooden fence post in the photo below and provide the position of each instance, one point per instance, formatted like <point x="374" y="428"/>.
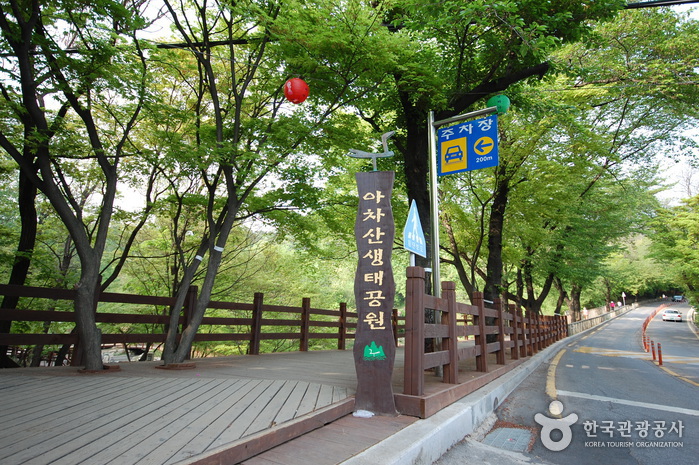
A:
<point x="514" y="352"/>
<point x="554" y="329"/>
<point x="394" y="325"/>
<point x="305" y="323"/>
<point x="500" y="354"/>
<point x="532" y="328"/>
<point x="342" y="330"/>
<point x="530" y="332"/>
<point x="256" y="324"/>
<point x="522" y="332"/>
<point x="551" y="330"/>
<point x="564" y="326"/>
<point x="413" y="370"/>
<point x="451" y="370"/>
<point x="482" y="359"/>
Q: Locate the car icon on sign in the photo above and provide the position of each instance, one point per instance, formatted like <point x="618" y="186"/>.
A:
<point x="453" y="153"/>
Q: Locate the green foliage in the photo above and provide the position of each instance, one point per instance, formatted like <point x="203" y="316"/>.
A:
<point x="199" y="132"/>
<point x="675" y="233"/>
<point x="635" y="272"/>
<point x="466" y="44"/>
<point x="8" y="220"/>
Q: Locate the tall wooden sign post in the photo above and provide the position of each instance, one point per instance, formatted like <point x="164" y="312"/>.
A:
<point x="374" y="290"/>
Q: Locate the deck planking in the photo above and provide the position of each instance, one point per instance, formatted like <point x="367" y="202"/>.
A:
<point x="141" y="415"/>
<point x="273" y="408"/>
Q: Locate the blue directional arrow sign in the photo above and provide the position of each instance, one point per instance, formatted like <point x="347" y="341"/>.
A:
<point x="413" y="237"/>
<point x="471" y="145"/>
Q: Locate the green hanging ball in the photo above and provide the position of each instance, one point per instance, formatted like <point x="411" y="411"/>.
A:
<point x="501" y="102"/>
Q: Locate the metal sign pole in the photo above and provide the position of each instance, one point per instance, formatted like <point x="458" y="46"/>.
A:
<point x="457" y="118"/>
<point x="434" y="205"/>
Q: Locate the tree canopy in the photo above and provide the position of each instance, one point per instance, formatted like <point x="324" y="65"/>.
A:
<point x="227" y="180"/>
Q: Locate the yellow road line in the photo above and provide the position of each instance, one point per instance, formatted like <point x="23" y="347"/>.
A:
<point x="629" y="354"/>
<point x="680" y="360"/>
<point x="551" y="375"/>
<point x="622" y="353"/>
<point x="610" y="352"/>
<point x="677" y="375"/>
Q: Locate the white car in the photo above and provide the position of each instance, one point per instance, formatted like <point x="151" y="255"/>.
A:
<point x="672" y="315"/>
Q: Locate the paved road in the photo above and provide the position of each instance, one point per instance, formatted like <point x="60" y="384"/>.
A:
<point x="680" y="344"/>
<point x="622" y="408"/>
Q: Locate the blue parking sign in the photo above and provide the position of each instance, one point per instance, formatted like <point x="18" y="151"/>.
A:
<point x="468" y="146"/>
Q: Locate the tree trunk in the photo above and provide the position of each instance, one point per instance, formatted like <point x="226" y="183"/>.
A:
<point x="574" y="303"/>
<point x="178" y="352"/>
<point x="458" y="262"/>
<point x="493" y="281"/>
<point x="23" y="257"/>
<point x="525" y="280"/>
<point x="416" y="169"/>
<point x="62" y="354"/>
<point x="90" y="336"/>
<point x="190" y="331"/>
<point x="562" y="297"/>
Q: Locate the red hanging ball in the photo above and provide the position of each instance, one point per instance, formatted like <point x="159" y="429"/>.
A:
<point x="296" y="90"/>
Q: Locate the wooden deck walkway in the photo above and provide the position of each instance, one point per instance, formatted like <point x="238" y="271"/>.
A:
<point x="282" y="408"/>
<point x="224" y="410"/>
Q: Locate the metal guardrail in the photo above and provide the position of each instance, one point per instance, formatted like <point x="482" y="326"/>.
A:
<point x="584" y="325"/>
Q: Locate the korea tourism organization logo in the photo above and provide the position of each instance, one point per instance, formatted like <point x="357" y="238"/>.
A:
<point x="557" y="433"/>
<point x="549" y="425"/>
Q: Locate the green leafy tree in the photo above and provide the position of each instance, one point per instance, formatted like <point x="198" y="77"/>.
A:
<point x="638" y="106"/>
<point x="566" y="173"/>
<point x="674" y="235"/>
<point x="48" y="91"/>
<point x="635" y="272"/>
<point x="252" y="149"/>
<point x="464" y="53"/>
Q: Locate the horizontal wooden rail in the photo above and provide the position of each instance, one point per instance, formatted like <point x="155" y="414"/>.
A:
<point x="250" y="322"/>
<point x="467" y="332"/>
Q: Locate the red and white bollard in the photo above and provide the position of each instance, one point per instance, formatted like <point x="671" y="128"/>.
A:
<point x="660" y="354"/>
<point x="652" y="347"/>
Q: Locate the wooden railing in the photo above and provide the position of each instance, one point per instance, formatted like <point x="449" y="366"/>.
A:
<point x="249" y="323"/>
<point x="464" y="329"/>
